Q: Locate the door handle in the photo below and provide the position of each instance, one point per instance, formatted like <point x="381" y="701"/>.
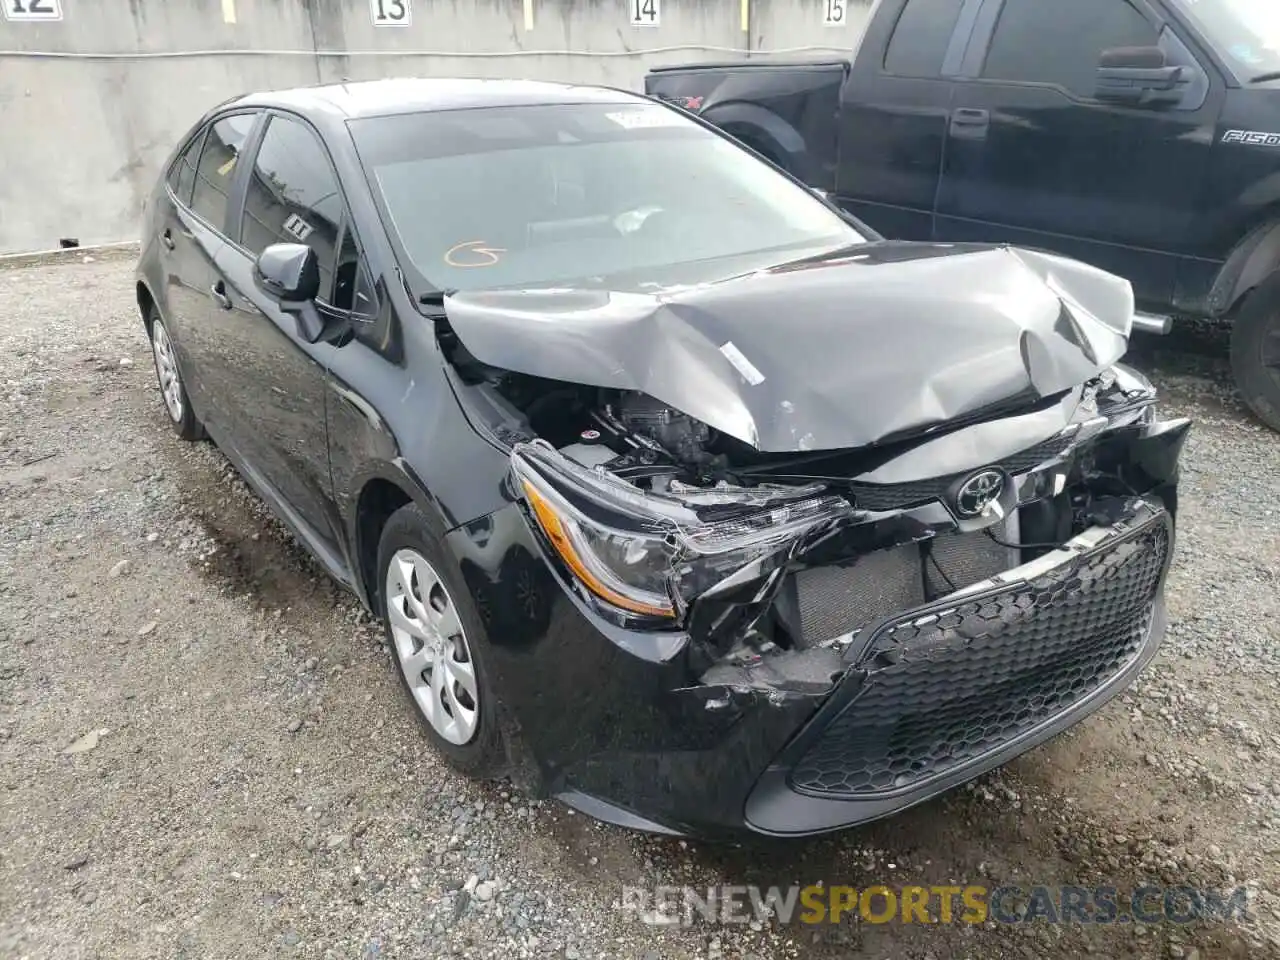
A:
<point x="219" y="292"/>
<point x="970" y="124"/>
<point x="167" y="239"/>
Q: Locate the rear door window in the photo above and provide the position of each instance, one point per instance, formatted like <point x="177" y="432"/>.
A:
<point x="920" y="40"/>
<point x="216" y="169"/>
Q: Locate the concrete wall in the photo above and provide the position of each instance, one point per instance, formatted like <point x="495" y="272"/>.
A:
<point x="91" y="104"/>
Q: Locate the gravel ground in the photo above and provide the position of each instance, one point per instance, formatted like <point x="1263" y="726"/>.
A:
<point x="204" y="751"/>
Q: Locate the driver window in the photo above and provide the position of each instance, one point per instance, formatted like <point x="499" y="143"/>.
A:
<point x="1018" y="51"/>
<point x="293" y="196"/>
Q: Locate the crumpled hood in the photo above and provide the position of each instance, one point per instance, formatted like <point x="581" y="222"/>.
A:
<point x="885" y="339"/>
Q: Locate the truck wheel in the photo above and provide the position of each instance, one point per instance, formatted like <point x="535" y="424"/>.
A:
<point x="1255" y="351"/>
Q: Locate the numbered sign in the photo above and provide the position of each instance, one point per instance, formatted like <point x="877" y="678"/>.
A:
<point x="391" y="13"/>
<point x="32" y="9"/>
<point x="834" y="14"/>
<point x="645" y="13"/>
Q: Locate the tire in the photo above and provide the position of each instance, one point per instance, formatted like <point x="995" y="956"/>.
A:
<point x="1255" y="351"/>
<point x="416" y="577"/>
<point x="173" y="392"/>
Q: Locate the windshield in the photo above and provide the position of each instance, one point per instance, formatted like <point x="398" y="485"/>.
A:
<point x="632" y="195"/>
<point x="1245" y="32"/>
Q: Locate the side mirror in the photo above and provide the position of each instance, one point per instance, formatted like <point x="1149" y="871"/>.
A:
<point x="1140" y="77"/>
<point x="288" y="272"/>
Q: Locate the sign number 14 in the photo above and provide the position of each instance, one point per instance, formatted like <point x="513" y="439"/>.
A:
<point x="32" y="9"/>
<point x="645" y="13"/>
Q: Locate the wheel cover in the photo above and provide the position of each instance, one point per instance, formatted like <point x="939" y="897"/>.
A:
<point x="432" y="647"/>
<point x="167" y="370"/>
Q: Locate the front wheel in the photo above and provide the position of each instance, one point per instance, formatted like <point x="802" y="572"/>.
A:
<point x="1255" y="351"/>
<point x="438" y="643"/>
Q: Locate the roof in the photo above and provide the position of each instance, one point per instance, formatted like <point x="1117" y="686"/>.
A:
<point x="370" y="98"/>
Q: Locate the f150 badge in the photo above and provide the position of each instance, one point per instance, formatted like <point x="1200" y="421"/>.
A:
<point x="1257" y="138"/>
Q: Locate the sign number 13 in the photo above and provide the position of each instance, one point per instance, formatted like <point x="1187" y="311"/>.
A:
<point x="391" y="13"/>
<point x="32" y="9"/>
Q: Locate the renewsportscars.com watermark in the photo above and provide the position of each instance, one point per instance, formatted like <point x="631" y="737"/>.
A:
<point x="972" y="904"/>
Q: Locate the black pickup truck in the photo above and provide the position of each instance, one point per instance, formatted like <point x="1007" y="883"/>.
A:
<point x="1142" y="136"/>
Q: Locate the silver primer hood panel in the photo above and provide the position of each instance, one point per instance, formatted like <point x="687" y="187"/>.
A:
<point x="886" y="339"/>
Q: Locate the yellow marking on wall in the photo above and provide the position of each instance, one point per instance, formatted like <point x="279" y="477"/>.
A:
<point x="528" y="14"/>
<point x="745" y="8"/>
<point x="229" y="11"/>
<point x="227" y="167"/>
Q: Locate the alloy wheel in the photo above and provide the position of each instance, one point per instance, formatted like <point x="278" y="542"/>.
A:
<point x="167" y="370"/>
<point x="431" y="647"/>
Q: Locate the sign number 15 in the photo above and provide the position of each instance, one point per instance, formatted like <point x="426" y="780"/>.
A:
<point x="32" y="9"/>
<point x="834" y="13"/>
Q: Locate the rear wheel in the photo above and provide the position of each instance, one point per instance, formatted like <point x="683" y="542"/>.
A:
<point x="172" y="390"/>
<point x="1255" y="351"/>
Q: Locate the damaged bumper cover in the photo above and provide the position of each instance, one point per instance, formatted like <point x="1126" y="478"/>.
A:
<point x="935" y="696"/>
<point x="697" y="727"/>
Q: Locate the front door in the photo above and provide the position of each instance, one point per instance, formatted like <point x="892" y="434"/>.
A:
<point x="1034" y="158"/>
<point x="291" y="196"/>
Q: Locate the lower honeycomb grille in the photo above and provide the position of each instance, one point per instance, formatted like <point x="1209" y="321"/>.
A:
<point x="943" y="694"/>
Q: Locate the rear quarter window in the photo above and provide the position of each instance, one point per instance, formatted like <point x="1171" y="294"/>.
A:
<point x="182" y="175"/>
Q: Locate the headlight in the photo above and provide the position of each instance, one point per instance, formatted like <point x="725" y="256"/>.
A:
<point x="650" y="555"/>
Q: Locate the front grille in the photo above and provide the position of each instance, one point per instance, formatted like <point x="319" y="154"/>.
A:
<point x="899" y="496"/>
<point x="834" y="601"/>
<point x="941" y="694"/>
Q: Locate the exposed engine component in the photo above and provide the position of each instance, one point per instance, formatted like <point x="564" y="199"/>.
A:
<point x="678" y="433"/>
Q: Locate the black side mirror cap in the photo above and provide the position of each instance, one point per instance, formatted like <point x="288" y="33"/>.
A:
<point x="1140" y="77"/>
<point x="288" y="272"/>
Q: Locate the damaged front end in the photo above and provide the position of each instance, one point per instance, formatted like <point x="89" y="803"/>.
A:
<point x="917" y="614"/>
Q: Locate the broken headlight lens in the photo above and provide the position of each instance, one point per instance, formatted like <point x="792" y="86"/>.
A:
<point x="650" y="554"/>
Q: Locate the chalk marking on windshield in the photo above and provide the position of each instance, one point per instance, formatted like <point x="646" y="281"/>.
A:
<point x="740" y="363"/>
<point x="476" y="247"/>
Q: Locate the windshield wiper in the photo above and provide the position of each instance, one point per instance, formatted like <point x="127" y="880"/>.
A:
<point x="435" y="298"/>
<point x="1266" y="77"/>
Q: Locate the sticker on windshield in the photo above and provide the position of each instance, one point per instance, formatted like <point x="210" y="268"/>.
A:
<point x="298" y="227"/>
<point x="646" y="119"/>
<point x="472" y="253"/>
<point x="740" y="363"/>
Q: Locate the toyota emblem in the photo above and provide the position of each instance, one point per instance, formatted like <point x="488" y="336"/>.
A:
<point x="978" y="492"/>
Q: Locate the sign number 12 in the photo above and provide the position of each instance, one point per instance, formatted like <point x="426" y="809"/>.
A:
<point x="33" y="9"/>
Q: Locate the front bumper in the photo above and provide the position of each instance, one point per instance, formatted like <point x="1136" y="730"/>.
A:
<point x="925" y="700"/>
<point x="940" y="694"/>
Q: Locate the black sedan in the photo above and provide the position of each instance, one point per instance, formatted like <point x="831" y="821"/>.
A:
<point x="683" y="496"/>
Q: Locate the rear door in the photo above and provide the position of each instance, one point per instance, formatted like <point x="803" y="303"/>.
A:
<point x="278" y="405"/>
<point x="894" y="112"/>
<point x="1034" y="158"/>
<point x="192" y="235"/>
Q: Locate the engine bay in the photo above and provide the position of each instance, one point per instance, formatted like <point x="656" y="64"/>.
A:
<point x="853" y="557"/>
